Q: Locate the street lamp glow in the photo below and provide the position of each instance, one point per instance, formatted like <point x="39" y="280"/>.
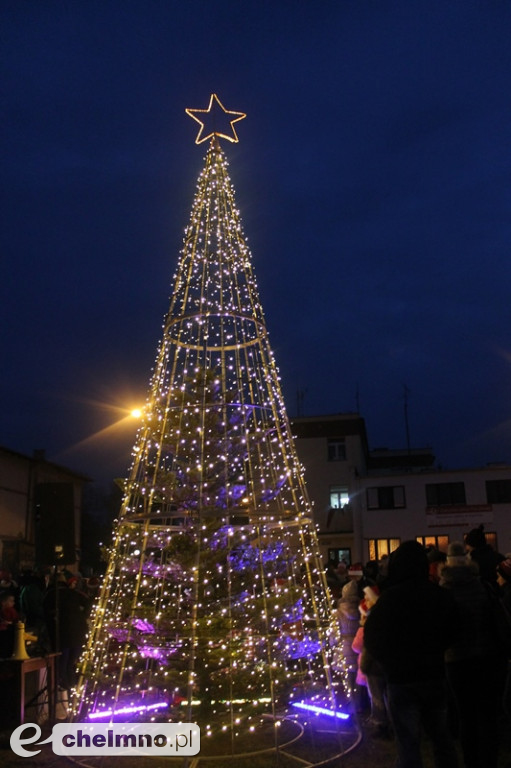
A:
<point x="136" y="413"/>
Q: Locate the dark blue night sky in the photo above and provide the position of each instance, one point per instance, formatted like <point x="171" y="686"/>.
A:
<point x="373" y="176"/>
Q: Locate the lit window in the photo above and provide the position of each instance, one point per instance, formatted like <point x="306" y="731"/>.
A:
<point x="339" y="496"/>
<point x="438" y="542"/>
<point x="379" y="548"/>
<point x="491" y="539"/>
<point x="340" y="556"/>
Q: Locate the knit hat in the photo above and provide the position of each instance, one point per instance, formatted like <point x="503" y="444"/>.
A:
<point x="350" y="591"/>
<point x="476" y="538"/>
<point x="357" y="569"/>
<point x="504" y="568"/>
<point x="456" y="554"/>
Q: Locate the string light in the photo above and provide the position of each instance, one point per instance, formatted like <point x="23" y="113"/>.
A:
<point x="214" y="598"/>
<point x="212" y="114"/>
<point x="320" y="710"/>
<point x="110" y="713"/>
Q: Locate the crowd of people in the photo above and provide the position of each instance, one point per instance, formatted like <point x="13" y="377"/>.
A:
<point x="54" y="607"/>
<point x="425" y="642"/>
<point x="426" y="648"/>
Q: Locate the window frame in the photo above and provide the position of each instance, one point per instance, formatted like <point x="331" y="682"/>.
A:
<point x="501" y="491"/>
<point x="340" y="490"/>
<point x="339" y="554"/>
<point x="441" y="491"/>
<point x="383" y="493"/>
<point x="439" y="541"/>
<point x="336" y="449"/>
<point x="389" y="544"/>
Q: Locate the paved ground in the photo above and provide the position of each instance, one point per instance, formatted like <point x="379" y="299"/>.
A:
<point x="370" y="752"/>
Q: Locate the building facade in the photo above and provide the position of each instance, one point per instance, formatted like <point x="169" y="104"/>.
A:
<point x="40" y="512"/>
<point x="367" y="502"/>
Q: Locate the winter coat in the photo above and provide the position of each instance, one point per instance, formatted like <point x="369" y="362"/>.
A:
<point x="358" y="646"/>
<point x="31" y="604"/>
<point x="475" y="635"/>
<point x="73" y="608"/>
<point x="505" y="596"/>
<point x="348" y="618"/>
<point x="487" y="560"/>
<point x="414" y="621"/>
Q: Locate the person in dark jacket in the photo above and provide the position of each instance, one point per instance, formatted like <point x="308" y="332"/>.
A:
<point x="475" y="665"/>
<point x="32" y="609"/>
<point x="504" y="582"/>
<point x="66" y="611"/>
<point x="407" y="632"/>
<point x="484" y="555"/>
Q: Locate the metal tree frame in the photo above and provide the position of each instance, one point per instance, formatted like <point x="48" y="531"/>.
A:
<point x="214" y="607"/>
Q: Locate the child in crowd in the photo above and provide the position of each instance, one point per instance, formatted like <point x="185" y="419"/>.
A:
<point x="370" y="673"/>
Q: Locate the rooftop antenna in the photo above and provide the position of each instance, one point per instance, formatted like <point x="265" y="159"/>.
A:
<point x="406" y="393"/>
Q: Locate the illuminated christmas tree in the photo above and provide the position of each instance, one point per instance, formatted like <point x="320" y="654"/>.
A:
<point x="214" y="607"/>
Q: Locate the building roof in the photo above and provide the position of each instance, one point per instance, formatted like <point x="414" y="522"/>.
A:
<point x="39" y="457"/>
<point x="411" y="459"/>
<point x="336" y="425"/>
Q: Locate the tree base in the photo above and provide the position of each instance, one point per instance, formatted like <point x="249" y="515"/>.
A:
<point x="298" y="742"/>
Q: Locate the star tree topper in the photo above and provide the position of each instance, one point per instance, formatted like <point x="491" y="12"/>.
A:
<point x="213" y="119"/>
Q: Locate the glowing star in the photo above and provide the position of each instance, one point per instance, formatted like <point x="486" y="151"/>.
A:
<point x="215" y="117"/>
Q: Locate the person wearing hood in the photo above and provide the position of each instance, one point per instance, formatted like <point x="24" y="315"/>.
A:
<point x="475" y="665"/>
<point x="408" y="631"/>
